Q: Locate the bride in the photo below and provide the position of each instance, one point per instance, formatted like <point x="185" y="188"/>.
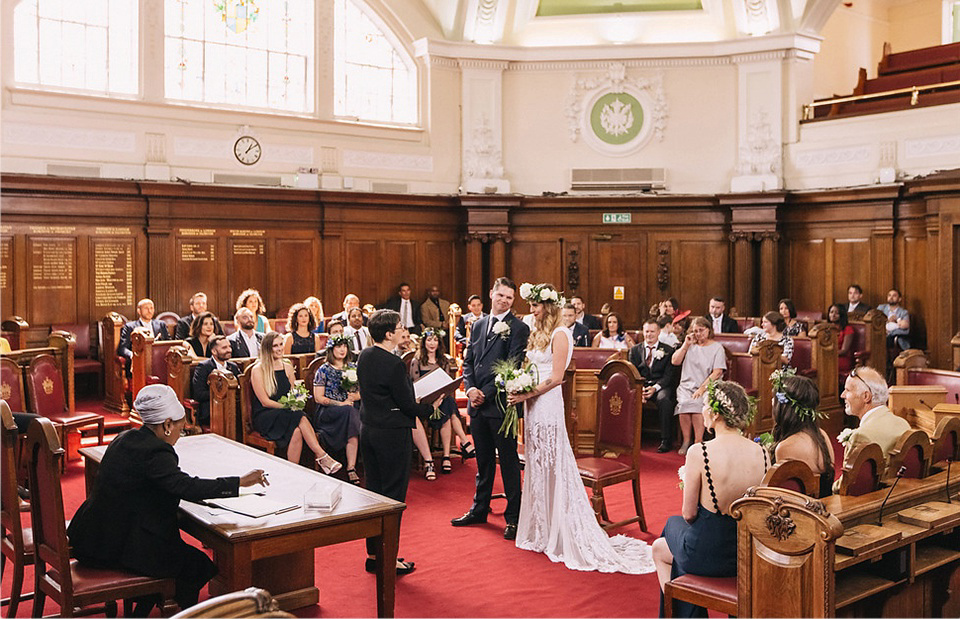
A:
<point x="555" y="514"/>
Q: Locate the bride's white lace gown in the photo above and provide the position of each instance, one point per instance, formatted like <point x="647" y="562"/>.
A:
<point x="555" y="515"/>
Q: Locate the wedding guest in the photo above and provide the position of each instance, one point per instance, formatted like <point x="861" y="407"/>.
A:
<point x="448" y="422"/>
<point x="774" y="328"/>
<point x="702" y="359"/>
<point x="389" y="408"/>
<point x="335" y="327"/>
<point x="316" y="308"/>
<point x="613" y="334"/>
<point x="245" y="341"/>
<point x="669" y="307"/>
<point x="796" y="428"/>
<point x="355" y="330"/>
<point x="588" y="320"/>
<point x="349" y="302"/>
<point x="146" y="323"/>
<point x="856" y="307"/>
<point x="474" y="313"/>
<point x="368" y="310"/>
<point x="837" y="315"/>
<point x="219" y="360"/>
<point x="568" y="317"/>
<point x="788" y="310"/>
<point x="300" y="337"/>
<point x="338" y="406"/>
<point x="703" y="539"/>
<point x="129" y="520"/>
<point x="201" y="330"/>
<point x="251" y="300"/>
<point x="722" y="323"/>
<point x="898" y="321"/>
<point x="198" y="305"/>
<point x="404" y="305"/>
<point x="272" y="378"/>
<point x="433" y="313"/>
<point x="652" y="357"/>
<point x="669" y="334"/>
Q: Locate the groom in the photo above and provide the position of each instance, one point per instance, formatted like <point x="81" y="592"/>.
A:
<point x="497" y="336"/>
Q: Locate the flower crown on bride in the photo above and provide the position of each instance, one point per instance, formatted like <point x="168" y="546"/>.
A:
<point x="541" y="293"/>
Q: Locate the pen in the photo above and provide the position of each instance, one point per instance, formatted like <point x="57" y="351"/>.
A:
<point x="287" y="509"/>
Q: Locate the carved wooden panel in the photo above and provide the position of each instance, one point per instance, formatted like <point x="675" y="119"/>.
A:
<point x="804" y="256"/>
<point x="398" y="263"/>
<point x="851" y="265"/>
<point x="52" y="279"/>
<point x="535" y="261"/>
<point x="362" y="263"/>
<point x="436" y="267"/>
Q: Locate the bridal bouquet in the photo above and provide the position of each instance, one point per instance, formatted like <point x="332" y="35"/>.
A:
<point x="511" y="379"/>
<point x="682" y="474"/>
<point x="296" y="398"/>
<point x="348" y="378"/>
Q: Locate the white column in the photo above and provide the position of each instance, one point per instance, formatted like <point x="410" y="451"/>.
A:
<point x="760" y="122"/>
<point x="482" y="126"/>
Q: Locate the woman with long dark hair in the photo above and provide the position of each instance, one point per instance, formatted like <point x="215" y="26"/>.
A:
<point x="837" y="315"/>
<point x="613" y="334"/>
<point x="796" y="431"/>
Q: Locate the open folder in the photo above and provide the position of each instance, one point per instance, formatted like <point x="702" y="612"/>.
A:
<point x="434" y="384"/>
<point x="253" y="505"/>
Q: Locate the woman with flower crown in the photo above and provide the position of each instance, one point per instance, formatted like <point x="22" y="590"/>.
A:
<point x="338" y="417"/>
<point x="796" y="431"/>
<point x="703" y="540"/>
<point x="555" y="516"/>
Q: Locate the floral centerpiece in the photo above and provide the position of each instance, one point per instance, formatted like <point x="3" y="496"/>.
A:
<point x="296" y="398"/>
<point x="511" y="379"/>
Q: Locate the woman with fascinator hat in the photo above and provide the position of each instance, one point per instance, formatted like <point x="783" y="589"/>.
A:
<point x="338" y="414"/>
<point x="555" y="516"/>
<point x="703" y="540"/>
<point x="129" y="521"/>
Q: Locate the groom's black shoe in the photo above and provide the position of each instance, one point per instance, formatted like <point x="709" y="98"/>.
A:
<point x="510" y="532"/>
<point x="469" y="518"/>
<point x="664" y="447"/>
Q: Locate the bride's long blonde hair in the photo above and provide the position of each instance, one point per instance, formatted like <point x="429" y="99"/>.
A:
<point x="544" y="326"/>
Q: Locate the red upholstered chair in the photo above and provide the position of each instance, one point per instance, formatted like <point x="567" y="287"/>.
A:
<point x="170" y="319"/>
<point x="85" y="360"/>
<point x="11" y="385"/>
<point x="946" y="440"/>
<point x="619" y="412"/>
<point x="47" y="399"/>
<point x="803" y="356"/>
<point x="71" y="585"/>
<point x="912" y="451"/>
<point x="862" y="473"/>
<point x="14" y="329"/>
<point x="793" y="475"/>
<point x="734" y="342"/>
<point x="17" y="542"/>
<point x="229" y="327"/>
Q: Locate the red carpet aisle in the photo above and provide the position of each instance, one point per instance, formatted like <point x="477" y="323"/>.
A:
<point x="472" y="571"/>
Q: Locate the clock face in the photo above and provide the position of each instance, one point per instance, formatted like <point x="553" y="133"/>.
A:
<point x="247" y="150"/>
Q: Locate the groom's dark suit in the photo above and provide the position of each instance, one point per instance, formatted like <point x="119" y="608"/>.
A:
<point x="486" y="348"/>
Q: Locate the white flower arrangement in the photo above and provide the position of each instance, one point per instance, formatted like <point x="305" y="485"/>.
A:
<point x="502" y="329"/>
<point x="844" y="437"/>
<point x="682" y="474"/>
<point x="349" y="379"/>
<point x="541" y="293"/>
<point x="658" y="354"/>
<point x="525" y="290"/>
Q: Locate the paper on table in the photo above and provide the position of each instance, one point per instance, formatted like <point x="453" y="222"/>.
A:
<point x="434" y="384"/>
<point x="253" y="505"/>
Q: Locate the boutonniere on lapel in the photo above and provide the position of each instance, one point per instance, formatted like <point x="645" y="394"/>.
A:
<point x="658" y="354"/>
<point x="502" y="329"/>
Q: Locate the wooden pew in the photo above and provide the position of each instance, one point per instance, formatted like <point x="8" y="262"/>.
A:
<point x="913" y="368"/>
<point x="15" y="330"/>
<point x="588" y="363"/>
<point x="149" y="363"/>
<point x="753" y="375"/>
<point x="826" y="370"/>
<point x="115" y="384"/>
<point x="870" y="346"/>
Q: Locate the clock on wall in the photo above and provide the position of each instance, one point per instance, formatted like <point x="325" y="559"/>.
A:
<point x="247" y="150"/>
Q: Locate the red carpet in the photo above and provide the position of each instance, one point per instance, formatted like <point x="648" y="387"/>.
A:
<point x="472" y="571"/>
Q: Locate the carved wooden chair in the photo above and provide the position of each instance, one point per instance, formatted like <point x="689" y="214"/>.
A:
<point x="251" y="603"/>
<point x="792" y="475"/>
<point x="11" y="385"/>
<point x="71" y="585"/>
<point x="863" y="471"/>
<point x="946" y="440"/>
<point x="784" y="539"/>
<point x="912" y="451"/>
<point x="17" y="542"/>
<point x="15" y="330"/>
<point x="570" y="404"/>
<point x="47" y="399"/>
<point x="224" y="403"/>
<point x="85" y="359"/>
<point x="308" y="377"/>
<point x="116" y="386"/>
<point x="619" y="413"/>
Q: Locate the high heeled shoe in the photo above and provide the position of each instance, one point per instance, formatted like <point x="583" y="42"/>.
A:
<point x="466" y="455"/>
<point x="430" y="470"/>
<point x="328" y="465"/>
<point x="352" y="477"/>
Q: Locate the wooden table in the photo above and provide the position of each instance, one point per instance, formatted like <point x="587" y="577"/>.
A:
<point x="276" y="552"/>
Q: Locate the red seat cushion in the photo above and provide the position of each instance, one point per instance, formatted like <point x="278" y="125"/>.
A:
<point x="86" y="366"/>
<point x="77" y="417"/>
<point x="598" y="468"/>
<point x="87" y="580"/>
<point x="722" y="588"/>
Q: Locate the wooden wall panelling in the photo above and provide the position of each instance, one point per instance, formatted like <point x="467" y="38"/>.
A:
<point x="851" y="265"/>
<point x="197" y="257"/>
<point x="362" y="275"/>
<point x="114" y="259"/>
<point x="702" y="269"/>
<point x="437" y="266"/>
<point x="536" y="259"/>
<point x="331" y="273"/>
<point x="246" y="262"/>
<point x="804" y="257"/>
<point x="7" y="272"/>
<point x="613" y="263"/>
<point x="294" y="271"/>
<point x="52" y="277"/>
<point x="399" y="263"/>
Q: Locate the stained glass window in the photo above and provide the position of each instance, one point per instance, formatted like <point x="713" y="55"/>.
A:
<point x="375" y="78"/>
<point x="90" y="45"/>
<point x="250" y="53"/>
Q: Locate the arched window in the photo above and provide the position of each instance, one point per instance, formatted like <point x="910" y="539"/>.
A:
<point x="250" y="53"/>
<point x="375" y="78"/>
<point x="90" y="45"/>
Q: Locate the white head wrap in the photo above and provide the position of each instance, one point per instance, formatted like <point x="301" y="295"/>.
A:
<point x="156" y="403"/>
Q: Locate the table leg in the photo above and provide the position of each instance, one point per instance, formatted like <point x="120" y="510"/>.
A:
<point x="387" y="547"/>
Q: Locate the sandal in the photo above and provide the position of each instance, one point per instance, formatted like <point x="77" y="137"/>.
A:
<point x="352" y="477"/>
<point x="465" y="454"/>
<point x="328" y="465"/>
<point x="430" y="470"/>
<point x="445" y="466"/>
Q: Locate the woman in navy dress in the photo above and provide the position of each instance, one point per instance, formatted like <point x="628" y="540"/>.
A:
<point x="338" y="410"/>
<point x="703" y="541"/>
<point x="300" y="326"/>
<point x="271" y="378"/>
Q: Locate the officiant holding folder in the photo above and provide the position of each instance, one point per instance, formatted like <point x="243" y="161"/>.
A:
<point x="388" y="413"/>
